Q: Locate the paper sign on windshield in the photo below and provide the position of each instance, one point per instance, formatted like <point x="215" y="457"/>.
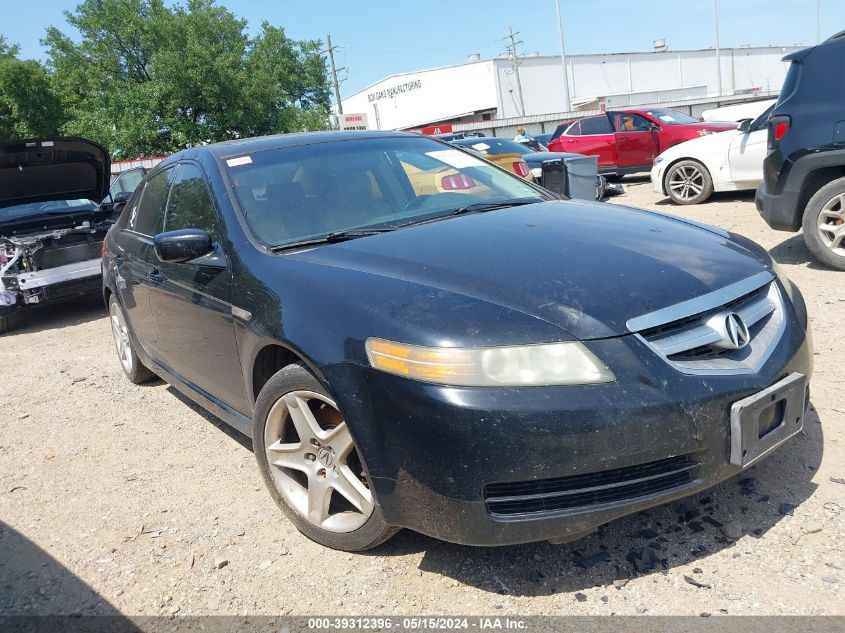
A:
<point x="455" y="158"/>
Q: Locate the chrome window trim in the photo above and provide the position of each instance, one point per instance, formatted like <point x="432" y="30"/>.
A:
<point x="705" y="302"/>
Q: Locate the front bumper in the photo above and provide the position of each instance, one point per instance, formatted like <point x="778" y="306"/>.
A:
<point x="657" y="178"/>
<point x="435" y="453"/>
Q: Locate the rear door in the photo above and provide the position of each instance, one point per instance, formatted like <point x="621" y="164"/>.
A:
<point x="192" y="302"/>
<point x="592" y="136"/>
<point x="133" y="253"/>
<point x="636" y="141"/>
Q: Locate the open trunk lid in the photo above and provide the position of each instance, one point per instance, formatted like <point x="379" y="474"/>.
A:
<point x="42" y="170"/>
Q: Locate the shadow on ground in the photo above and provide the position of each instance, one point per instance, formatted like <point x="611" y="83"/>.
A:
<point x="34" y="583"/>
<point x="29" y="320"/>
<point x="718" y="196"/>
<point x="212" y="419"/>
<point x="646" y="543"/>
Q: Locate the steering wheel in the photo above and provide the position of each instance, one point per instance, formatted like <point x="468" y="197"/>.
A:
<point x="416" y="203"/>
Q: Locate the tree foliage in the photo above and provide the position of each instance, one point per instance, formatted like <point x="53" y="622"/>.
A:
<point x="28" y="104"/>
<point x="145" y="78"/>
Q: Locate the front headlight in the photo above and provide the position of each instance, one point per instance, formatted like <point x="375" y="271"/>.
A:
<point x="781" y="274"/>
<point x="566" y="363"/>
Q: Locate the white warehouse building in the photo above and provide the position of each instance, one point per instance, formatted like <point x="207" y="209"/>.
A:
<point x="485" y="90"/>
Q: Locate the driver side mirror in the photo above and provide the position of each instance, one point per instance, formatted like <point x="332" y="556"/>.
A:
<point x="119" y="201"/>
<point x="744" y="126"/>
<point x="178" y="247"/>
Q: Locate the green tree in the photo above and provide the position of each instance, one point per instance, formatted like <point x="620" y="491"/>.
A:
<point x="145" y="78"/>
<point x="28" y="104"/>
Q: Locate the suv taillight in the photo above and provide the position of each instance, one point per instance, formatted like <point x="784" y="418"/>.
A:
<point x="520" y="168"/>
<point x="778" y="127"/>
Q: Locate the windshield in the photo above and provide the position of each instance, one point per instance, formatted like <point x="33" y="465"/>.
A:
<point x="670" y="117"/>
<point x="494" y="146"/>
<point x="298" y="193"/>
<point x="35" y="209"/>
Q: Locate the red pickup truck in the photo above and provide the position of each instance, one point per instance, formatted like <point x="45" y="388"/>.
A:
<point x="627" y="141"/>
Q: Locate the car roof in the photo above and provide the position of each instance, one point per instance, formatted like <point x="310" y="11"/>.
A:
<point x="259" y="143"/>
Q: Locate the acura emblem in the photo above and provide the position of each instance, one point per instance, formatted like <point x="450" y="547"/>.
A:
<point x="737" y="331"/>
<point x="731" y="330"/>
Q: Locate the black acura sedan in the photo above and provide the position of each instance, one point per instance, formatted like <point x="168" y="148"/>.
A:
<point x="416" y="338"/>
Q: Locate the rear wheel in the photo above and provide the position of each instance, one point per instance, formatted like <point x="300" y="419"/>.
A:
<point x="311" y="465"/>
<point x="824" y="224"/>
<point x="132" y="366"/>
<point x="688" y="182"/>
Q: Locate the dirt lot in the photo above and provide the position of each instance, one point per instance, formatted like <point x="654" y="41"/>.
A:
<point x="122" y="498"/>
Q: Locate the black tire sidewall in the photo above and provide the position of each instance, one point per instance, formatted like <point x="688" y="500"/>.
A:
<point x="706" y="192"/>
<point x="809" y="224"/>
<point x="295" y="378"/>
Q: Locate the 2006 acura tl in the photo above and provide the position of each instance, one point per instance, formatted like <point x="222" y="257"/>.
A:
<point x="416" y="338"/>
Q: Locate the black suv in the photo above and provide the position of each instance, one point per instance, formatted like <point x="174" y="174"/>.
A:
<point x="804" y="172"/>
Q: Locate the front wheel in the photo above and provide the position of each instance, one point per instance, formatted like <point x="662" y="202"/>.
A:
<point x="824" y="224"/>
<point x="311" y="465"/>
<point x="688" y="182"/>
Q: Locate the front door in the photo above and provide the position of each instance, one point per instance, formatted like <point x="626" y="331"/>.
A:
<point x="134" y="247"/>
<point x="746" y="156"/>
<point x="192" y="302"/>
<point x="636" y="142"/>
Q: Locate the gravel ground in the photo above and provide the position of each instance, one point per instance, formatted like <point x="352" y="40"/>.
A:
<point x="117" y="498"/>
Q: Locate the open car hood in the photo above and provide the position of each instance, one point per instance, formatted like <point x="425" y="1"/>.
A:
<point x="41" y="170"/>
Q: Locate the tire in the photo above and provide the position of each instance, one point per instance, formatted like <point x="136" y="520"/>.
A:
<point x="688" y="182"/>
<point x="823" y="224"/>
<point x="129" y="361"/>
<point x="335" y="508"/>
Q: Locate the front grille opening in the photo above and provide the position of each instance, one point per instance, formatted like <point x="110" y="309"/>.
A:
<point x="588" y="490"/>
<point x="707" y="352"/>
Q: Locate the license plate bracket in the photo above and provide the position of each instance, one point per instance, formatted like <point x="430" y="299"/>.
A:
<point x="786" y="399"/>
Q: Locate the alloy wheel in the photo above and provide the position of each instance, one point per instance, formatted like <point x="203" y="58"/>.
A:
<point x="121" y="337"/>
<point x="314" y="462"/>
<point x="831" y="224"/>
<point x="686" y="182"/>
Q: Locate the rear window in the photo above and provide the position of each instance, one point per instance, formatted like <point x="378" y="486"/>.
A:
<point x="596" y="125"/>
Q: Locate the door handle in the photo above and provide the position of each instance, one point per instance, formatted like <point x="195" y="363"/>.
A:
<point x="155" y="277"/>
<point x="570" y="140"/>
<point x="623" y="137"/>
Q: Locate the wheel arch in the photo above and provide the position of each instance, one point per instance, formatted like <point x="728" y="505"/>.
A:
<point x="271" y="357"/>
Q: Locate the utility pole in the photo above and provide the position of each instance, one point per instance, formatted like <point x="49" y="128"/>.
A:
<point x="718" y="56"/>
<point x="567" y="105"/>
<point x="336" y="83"/>
<point x="515" y="65"/>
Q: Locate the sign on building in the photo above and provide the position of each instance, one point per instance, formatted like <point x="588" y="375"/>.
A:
<point x="352" y="121"/>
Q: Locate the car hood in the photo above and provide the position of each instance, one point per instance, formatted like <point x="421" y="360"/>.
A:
<point x="702" y="145"/>
<point x="712" y="126"/>
<point x="42" y="170"/>
<point x="585" y="267"/>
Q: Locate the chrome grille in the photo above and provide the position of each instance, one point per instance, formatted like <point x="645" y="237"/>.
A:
<point x="696" y="343"/>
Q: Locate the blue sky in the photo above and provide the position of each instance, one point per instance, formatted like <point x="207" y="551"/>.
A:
<point x="382" y="37"/>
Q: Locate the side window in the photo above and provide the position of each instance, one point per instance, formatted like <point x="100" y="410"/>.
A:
<point x="574" y="129"/>
<point x="596" y="125"/>
<point x="116" y="187"/>
<point x="130" y="181"/>
<point x="190" y="205"/>
<point x="148" y="215"/>
<point x="627" y="122"/>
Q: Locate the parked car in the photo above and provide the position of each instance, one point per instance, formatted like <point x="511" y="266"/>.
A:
<point x="123" y="186"/>
<point x="495" y="148"/>
<point x="458" y="135"/>
<point x="690" y="172"/>
<point x="484" y="365"/>
<point x="51" y="232"/>
<point x="627" y="141"/>
<point x="738" y="112"/>
<point x="543" y="139"/>
<point x="804" y="170"/>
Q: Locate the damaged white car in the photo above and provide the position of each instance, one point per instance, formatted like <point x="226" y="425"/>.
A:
<point x="51" y="233"/>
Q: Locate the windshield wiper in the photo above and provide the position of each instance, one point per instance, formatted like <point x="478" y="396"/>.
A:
<point x="481" y="207"/>
<point x="331" y="238"/>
